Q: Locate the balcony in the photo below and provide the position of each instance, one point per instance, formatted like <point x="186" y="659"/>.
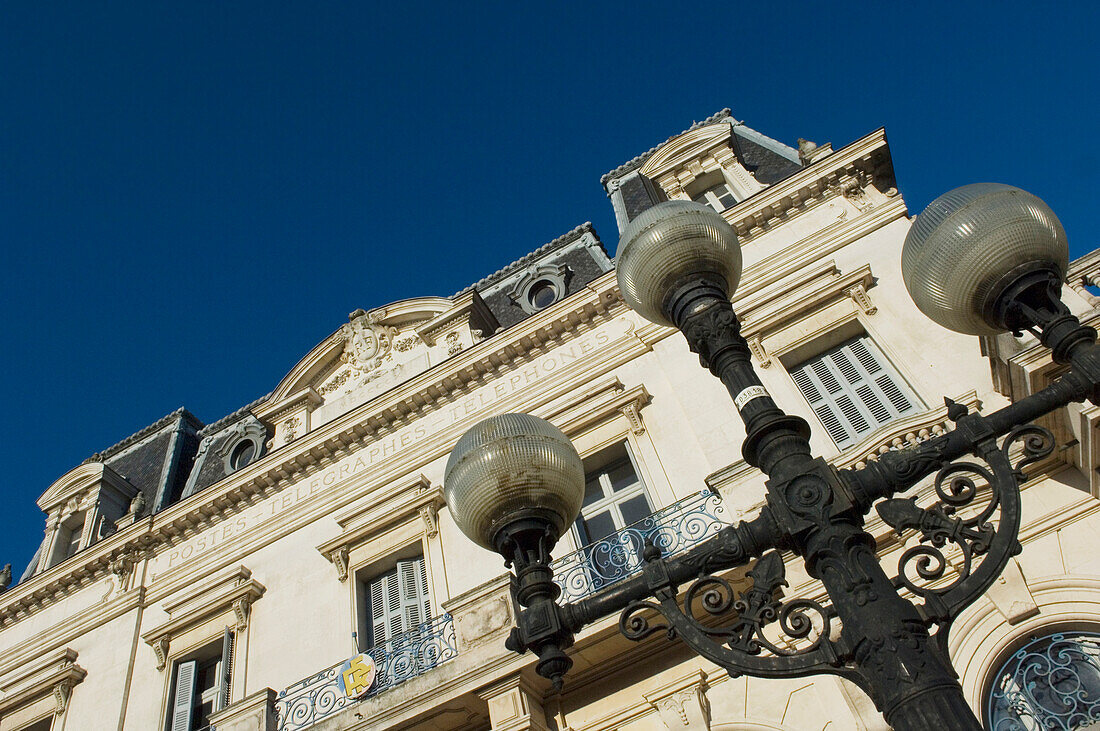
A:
<point x="406" y="656"/>
<point x="673" y="529"/>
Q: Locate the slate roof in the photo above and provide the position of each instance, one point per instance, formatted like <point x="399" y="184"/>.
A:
<point x="769" y="160"/>
<point x="538" y="253"/>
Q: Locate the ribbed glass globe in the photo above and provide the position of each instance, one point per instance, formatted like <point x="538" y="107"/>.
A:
<point x="667" y="245"/>
<point x="507" y="465"/>
<point x="967" y="241"/>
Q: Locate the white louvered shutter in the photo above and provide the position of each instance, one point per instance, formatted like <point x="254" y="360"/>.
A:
<point x="853" y="390"/>
<point x="399" y="600"/>
<point x="414" y="592"/>
<point x="184" y="698"/>
<point x="226" y="676"/>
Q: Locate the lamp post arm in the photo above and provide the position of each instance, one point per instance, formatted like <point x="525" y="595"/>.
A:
<point x="899" y="470"/>
<point x="733" y="546"/>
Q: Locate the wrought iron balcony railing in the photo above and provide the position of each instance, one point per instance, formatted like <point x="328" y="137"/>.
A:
<point x="406" y="656"/>
<point x="673" y="529"/>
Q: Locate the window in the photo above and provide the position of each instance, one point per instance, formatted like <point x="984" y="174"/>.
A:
<point x="542" y="294"/>
<point x="44" y="725"/>
<point x="398" y="601"/>
<point x="853" y="390"/>
<point x="1051" y="682"/>
<point x="719" y="197"/>
<point x="200" y="686"/>
<point x="614" y="497"/>
<point x="242" y="454"/>
<point x="68" y="538"/>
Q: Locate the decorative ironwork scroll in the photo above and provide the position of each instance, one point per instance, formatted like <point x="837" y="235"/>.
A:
<point x="801" y="646"/>
<point x="406" y="656"/>
<point x="975" y="522"/>
<point x="673" y="529"/>
<point x="1052" y="682"/>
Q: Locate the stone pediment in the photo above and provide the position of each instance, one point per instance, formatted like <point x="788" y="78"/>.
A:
<point x="79" y="483"/>
<point x="686" y="147"/>
<point x="370" y="354"/>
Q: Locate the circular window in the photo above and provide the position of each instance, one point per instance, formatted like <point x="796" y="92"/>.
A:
<point x="1051" y="682"/>
<point x="542" y="294"/>
<point x="243" y="454"/>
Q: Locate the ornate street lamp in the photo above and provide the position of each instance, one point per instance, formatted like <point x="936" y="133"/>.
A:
<point x="981" y="259"/>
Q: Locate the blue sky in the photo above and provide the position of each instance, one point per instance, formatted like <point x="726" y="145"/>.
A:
<point x="193" y="195"/>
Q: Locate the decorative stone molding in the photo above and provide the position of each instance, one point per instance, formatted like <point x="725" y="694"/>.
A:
<point x="252" y="713"/>
<point x="231" y="593"/>
<point x="859" y="295"/>
<point x="682" y="705"/>
<point x="514" y="705"/>
<point x="803" y="293"/>
<point x="246" y="430"/>
<point x="520" y="291"/>
<point x="597" y="403"/>
<point x="481" y="615"/>
<point x="417" y="499"/>
<point x="339" y="559"/>
<point x="756" y="346"/>
<point x="51" y="676"/>
<point x="430" y="515"/>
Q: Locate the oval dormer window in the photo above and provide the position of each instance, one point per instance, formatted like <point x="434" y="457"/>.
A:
<point x="542" y="294"/>
<point x="243" y="454"/>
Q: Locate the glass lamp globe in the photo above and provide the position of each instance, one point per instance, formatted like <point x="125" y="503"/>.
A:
<point x="970" y="245"/>
<point x="669" y="244"/>
<point x="512" y="468"/>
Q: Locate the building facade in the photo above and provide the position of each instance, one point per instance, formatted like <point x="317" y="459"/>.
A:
<point x="294" y="565"/>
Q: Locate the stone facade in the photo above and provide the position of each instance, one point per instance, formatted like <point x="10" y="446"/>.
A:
<point x="255" y="546"/>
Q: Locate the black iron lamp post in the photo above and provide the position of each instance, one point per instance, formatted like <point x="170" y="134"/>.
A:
<point x="981" y="259"/>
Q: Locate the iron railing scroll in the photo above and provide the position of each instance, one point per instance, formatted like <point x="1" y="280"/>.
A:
<point x="673" y="529"/>
<point x="406" y="656"/>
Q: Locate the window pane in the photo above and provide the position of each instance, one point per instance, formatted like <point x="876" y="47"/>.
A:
<point x="593" y="491"/>
<point x="621" y="476"/>
<point x="599" y="526"/>
<point x="635" y="509"/>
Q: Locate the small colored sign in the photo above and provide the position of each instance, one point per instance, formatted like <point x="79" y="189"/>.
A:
<point x="357" y="675"/>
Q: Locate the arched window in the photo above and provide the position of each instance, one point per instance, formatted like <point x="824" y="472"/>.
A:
<point x="1052" y="682"/>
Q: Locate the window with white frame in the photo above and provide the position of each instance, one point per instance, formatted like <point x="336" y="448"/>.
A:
<point x="614" y="496"/>
<point x="719" y="197"/>
<point x="69" y="537"/>
<point x="397" y="601"/>
<point x="200" y="685"/>
<point x="853" y="390"/>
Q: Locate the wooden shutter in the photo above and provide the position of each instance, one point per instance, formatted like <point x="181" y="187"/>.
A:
<point x="183" y="700"/>
<point x="385" y="602"/>
<point x="399" y="600"/>
<point x="225" y="678"/>
<point x="853" y="390"/>
<point x="415" y="606"/>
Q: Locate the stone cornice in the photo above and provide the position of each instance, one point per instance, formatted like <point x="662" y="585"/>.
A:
<point x="82" y="568"/>
<point x="865" y="161"/>
<point x="70" y="628"/>
<point x="372" y="517"/>
<point x="235" y="591"/>
<point x="53" y="673"/>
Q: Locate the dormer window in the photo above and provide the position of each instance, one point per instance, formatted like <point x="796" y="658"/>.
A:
<point x="72" y="533"/>
<point x="242" y="454"/>
<point x="719" y="197"/>
<point x="82" y="507"/>
<point x="542" y="294"/>
<point x="539" y="287"/>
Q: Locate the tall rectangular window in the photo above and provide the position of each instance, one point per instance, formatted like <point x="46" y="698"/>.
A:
<point x="201" y="686"/>
<point x="853" y="390"/>
<point x="614" y="497"/>
<point x="398" y="601"/>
